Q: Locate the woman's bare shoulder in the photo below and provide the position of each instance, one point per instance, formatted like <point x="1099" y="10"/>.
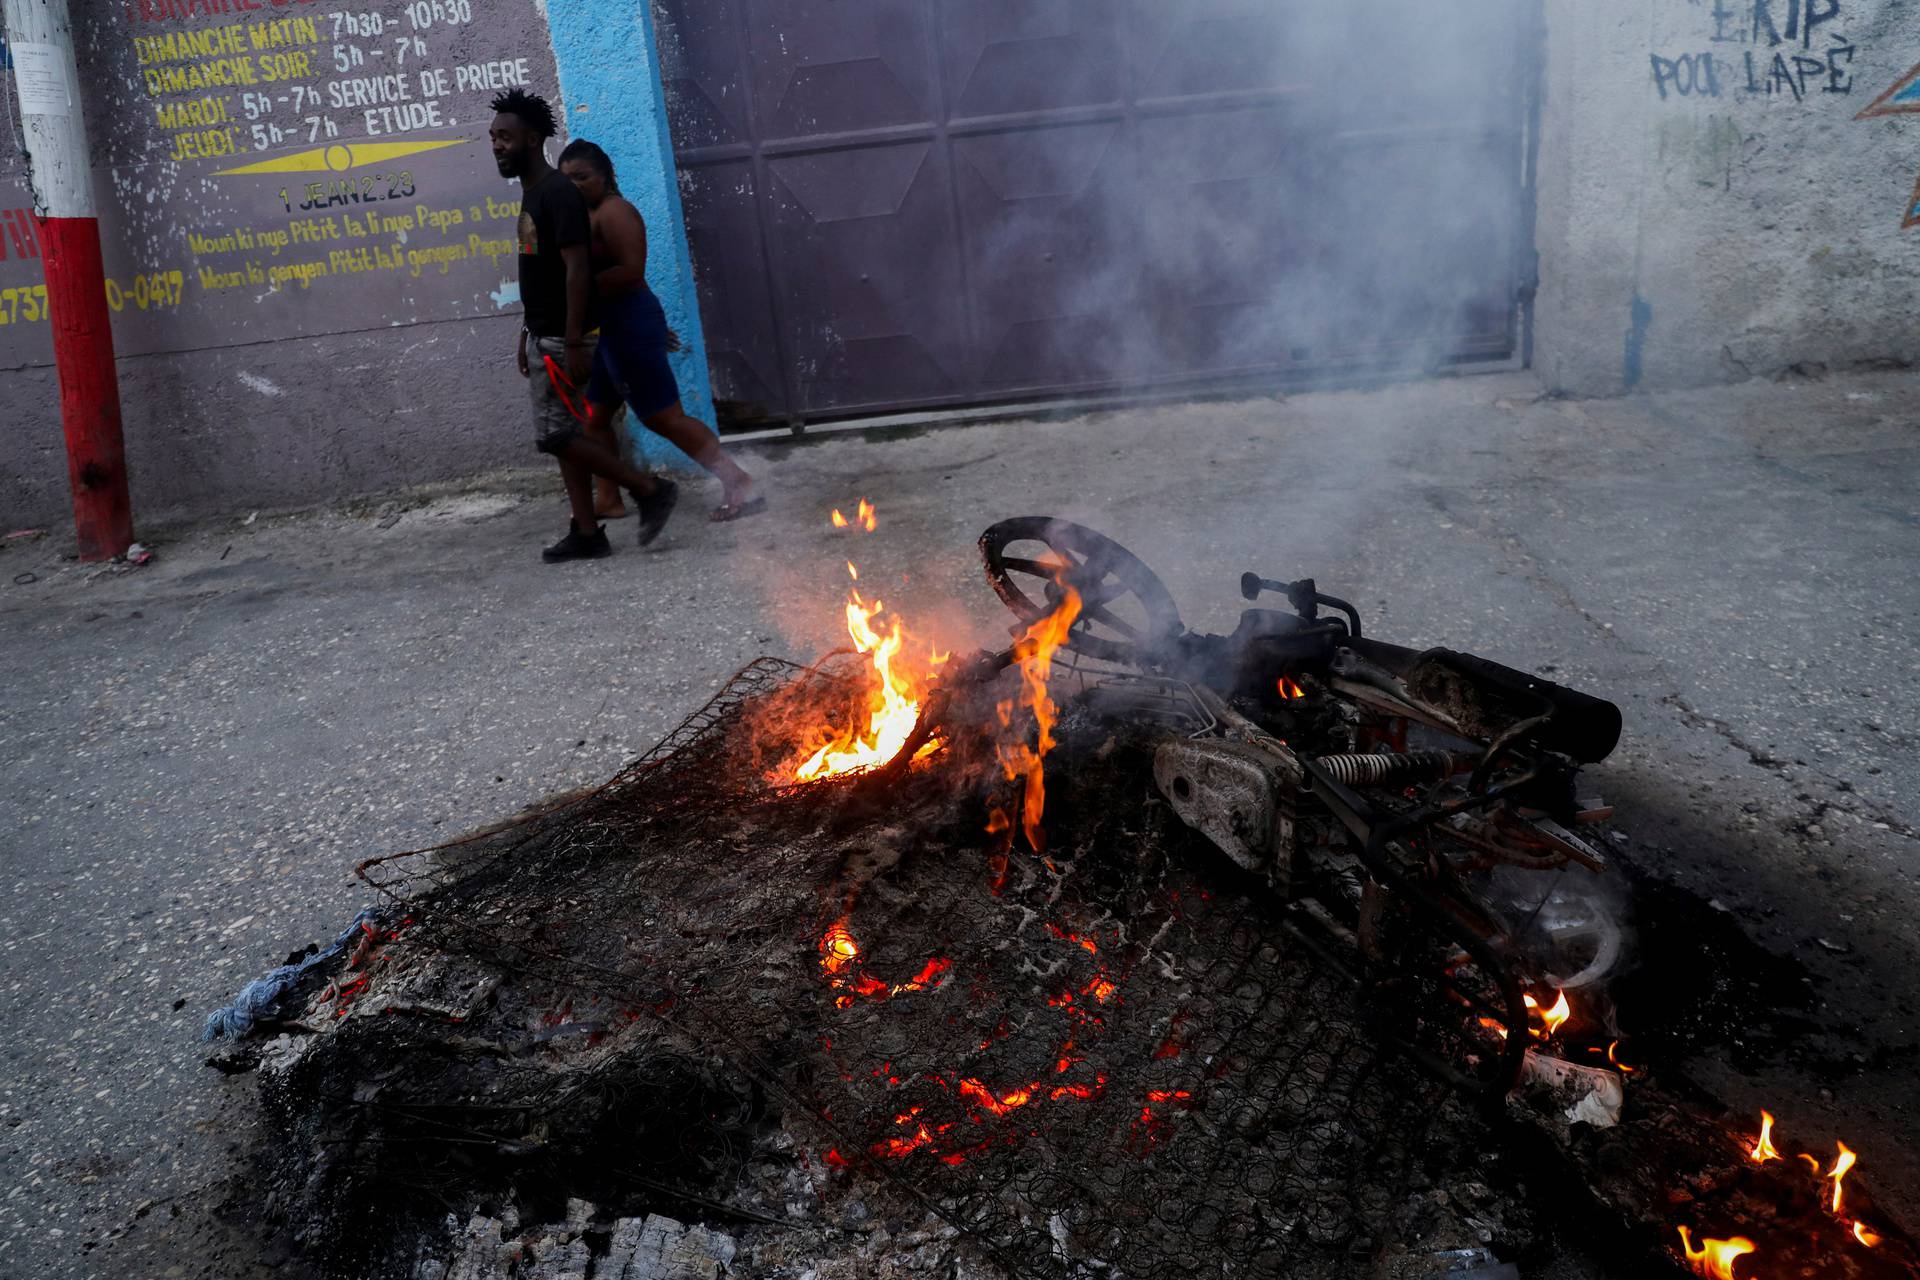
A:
<point x="621" y="208"/>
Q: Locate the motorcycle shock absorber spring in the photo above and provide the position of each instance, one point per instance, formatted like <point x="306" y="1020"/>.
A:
<point x="1378" y="770"/>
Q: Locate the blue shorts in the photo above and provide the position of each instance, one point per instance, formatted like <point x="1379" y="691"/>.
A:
<point x="631" y="362"/>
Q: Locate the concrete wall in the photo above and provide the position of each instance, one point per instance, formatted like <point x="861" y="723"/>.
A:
<point x="1710" y="208"/>
<point x="282" y="423"/>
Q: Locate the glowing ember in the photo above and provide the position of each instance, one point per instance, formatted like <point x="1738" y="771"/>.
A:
<point x="1092" y="948"/>
<point x="1763" y="1149"/>
<point x="837" y="948"/>
<point x="1151" y="1127"/>
<point x="1553" y="1017"/>
<point x="1033" y="653"/>
<point x="1618" y="1065"/>
<point x="838" y="954"/>
<point x="954" y="1148"/>
<point x="927" y="977"/>
<point x="896" y="1148"/>
<point x="1866" y="1235"/>
<point x="1841" y="1163"/>
<point x="1715" y="1258"/>
<point x="1289" y="690"/>
<point x="1012" y="1100"/>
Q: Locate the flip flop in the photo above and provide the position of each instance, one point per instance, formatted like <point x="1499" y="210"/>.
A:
<point x="730" y="511"/>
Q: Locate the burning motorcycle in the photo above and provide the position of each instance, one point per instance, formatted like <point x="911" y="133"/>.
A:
<point x="1428" y="844"/>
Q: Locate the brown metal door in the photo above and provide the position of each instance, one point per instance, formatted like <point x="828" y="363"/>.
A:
<point x="901" y="204"/>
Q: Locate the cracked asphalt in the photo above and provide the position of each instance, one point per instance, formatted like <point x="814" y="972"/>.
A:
<point x="199" y="750"/>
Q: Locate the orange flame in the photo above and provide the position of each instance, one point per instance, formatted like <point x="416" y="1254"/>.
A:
<point x="1289" y="690"/>
<point x="1715" y="1258"/>
<point x="894" y="707"/>
<point x="1763" y="1149"/>
<point x="1841" y="1163"/>
<point x="1554" y="1017"/>
<point x="1033" y="652"/>
<point x="863" y="516"/>
<point x="892" y="710"/>
<point x="1612" y="1057"/>
<point x="1866" y="1235"/>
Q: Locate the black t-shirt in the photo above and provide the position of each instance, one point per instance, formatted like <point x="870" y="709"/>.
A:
<point x="553" y="216"/>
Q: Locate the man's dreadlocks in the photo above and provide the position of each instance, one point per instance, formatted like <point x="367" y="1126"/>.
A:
<point x="531" y="108"/>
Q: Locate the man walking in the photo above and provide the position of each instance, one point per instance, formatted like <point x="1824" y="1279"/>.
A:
<point x="557" y="343"/>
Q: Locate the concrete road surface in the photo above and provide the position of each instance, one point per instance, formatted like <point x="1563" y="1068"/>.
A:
<point x="197" y="751"/>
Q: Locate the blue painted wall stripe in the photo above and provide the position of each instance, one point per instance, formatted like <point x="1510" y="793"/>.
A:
<point x="609" y="65"/>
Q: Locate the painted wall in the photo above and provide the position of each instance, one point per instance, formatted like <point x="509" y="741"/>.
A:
<point x="310" y="254"/>
<point x="610" y="78"/>
<point x="1723" y="188"/>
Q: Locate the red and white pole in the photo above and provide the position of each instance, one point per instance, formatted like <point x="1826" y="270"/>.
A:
<point x="40" y="40"/>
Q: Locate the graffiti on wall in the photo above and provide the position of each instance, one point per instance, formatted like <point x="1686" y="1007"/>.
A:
<point x="1788" y="50"/>
<point x="1902" y="99"/>
<point x="264" y="176"/>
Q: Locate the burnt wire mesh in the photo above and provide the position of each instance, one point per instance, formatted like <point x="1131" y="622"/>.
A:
<point x="1107" y="1059"/>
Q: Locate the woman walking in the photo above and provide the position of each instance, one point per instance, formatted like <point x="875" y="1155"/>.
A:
<point x="631" y="362"/>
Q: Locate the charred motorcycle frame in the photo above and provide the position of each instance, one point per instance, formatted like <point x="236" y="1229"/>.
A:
<point x="1428" y="855"/>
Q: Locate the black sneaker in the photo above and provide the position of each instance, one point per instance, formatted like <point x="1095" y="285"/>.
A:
<point x="655" y="507"/>
<point x="579" y="546"/>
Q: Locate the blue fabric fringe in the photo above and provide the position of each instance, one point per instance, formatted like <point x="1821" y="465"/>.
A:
<point x="259" y="1000"/>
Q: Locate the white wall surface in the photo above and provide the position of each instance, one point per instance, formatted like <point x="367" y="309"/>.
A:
<point x="1711" y="208"/>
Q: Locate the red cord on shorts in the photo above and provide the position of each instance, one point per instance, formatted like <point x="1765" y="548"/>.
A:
<point x="561" y="385"/>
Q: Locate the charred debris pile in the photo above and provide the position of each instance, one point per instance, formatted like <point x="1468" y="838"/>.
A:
<point x="1125" y="952"/>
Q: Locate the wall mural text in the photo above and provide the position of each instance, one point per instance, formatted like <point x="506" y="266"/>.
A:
<point x="1790" y="50"/>
<point x="265" y="173"/>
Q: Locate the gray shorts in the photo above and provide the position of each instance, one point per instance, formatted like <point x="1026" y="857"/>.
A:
<point x="554" y="425"/>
